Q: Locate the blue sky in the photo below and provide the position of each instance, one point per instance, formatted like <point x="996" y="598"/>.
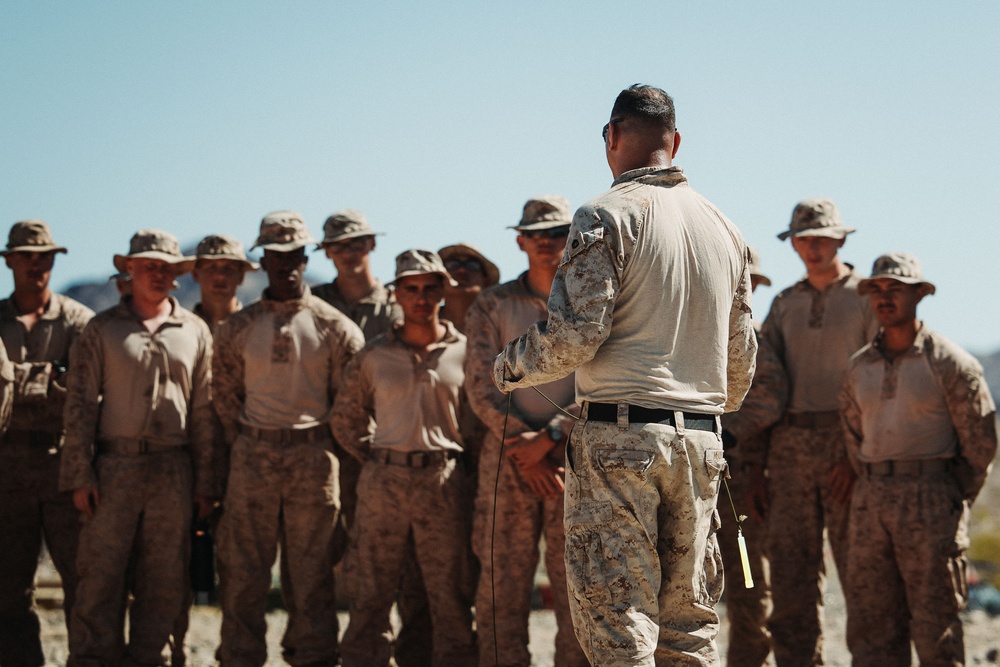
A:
<point x="439" y="120"/>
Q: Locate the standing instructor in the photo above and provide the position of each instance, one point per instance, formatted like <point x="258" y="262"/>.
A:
<point x="651" y="308"/>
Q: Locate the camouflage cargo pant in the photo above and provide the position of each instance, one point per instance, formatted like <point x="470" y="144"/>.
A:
<point x="283" y="495"/>
<point x="906" y="570"/>
<point x="145" y="508"/>
<point x="521" y="519"/>
<point x="747" y="609"/>
<point x="31" y="508"/>
<point x="799" y="464"/>
<point x="395" y="502"/>
<point x="642" y="561"/>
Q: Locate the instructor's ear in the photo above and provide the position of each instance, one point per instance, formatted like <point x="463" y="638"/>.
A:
<point x="677" y="144"/>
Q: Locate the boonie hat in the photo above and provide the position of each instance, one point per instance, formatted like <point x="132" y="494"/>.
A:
<point x="816" y="217"/>
<point x="754" y="267"/>
<point x="544" y="212"/>
<point x="283" y="231"/>
<point x="224" y="246"/>
<point x="31" y="236"/>
<point x="346" y="224"/>
<point x="901" y="266"/>
<point x="420" y="262"/>
<point x="155" y="244"/>
<point x="490" y="269"/>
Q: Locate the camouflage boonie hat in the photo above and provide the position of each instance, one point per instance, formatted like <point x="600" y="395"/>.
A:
<point x="901" y="266"/>
<point x="223" y="246"/>
<point x="31" y="236"/>
<point x="283" y="231"/>
<point x="346" y="224"/>
<point x="816" y="217"/>
<point x="754" y="267"/>
<point x="490" y="270"/>
<point x="544" y="212"/>
<point x="155" y="244"/>
<point x="421" y="262"/>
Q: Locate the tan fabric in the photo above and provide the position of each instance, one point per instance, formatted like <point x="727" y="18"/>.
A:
<point x="375" y="314"/>
<point x="129" y="384"/>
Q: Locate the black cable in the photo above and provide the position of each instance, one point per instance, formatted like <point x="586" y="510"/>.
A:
<point x="493" y="537"/>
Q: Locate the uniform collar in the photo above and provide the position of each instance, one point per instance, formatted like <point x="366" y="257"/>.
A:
<point x="919" y="342"/>
<point x="663" y="176"/>
<point x="803" y="285"/>
<point x="289" y="305"/>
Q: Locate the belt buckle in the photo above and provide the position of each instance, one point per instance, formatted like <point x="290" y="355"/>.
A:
<point x="412" y="459"/>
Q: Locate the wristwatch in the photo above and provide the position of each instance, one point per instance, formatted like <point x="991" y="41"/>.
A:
<point x="556" y="433"/>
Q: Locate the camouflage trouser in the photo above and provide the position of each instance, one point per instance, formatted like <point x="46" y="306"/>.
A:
<point x="145" y="508"/>
<point x="747" y="609"/>
<point x="395" y="502"/>
<point x="799" y="464"/>
<point x="906" y="570"/>
<point x="508" y="566"/>
<point x="283" y="495"/>
<point x="642" y="561"/>
<point x="31" y="507"/>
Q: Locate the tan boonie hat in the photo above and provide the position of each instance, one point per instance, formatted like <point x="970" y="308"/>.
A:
<point x="816" y="217"/>
<point x="31" y="236"/>
<point x="901" y="266"/>
<point x="421" y="262"/>
<point x="223" y="246"/>
<point x="155" y="244"/>
<point x="544" y="212"/>
<point x="283" y="231"/>
<point x="346" y="224"/>
<point x="754" y="267"/>
<point x="490" y="269"/>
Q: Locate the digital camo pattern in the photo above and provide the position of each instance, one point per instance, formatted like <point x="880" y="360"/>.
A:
<point x="642" y="560"/>
<point x="800" y="463"/>
<point x="374" y="314"/>
<point x="906" y="570"/>
<point x="394" y="502"/>
<point x="764" y="405"/>
<point x="145" y="513"/>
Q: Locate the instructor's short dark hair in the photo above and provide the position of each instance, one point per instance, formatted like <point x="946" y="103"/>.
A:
<point x="646" y="104"/>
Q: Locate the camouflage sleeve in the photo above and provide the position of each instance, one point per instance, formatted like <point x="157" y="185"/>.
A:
<point x="742" y="349"/>
<point x="353" y="410"/>
<point x="82" y="410"/>
<point x="202" y="418"/>
<point x="762" y="408"/>
<point x="344" y="345"/>
<point x="850" y="417"/>
<point x="581" y="304"/>
<point x="6" y="388"/>
<point x="486" y="401"/>
<point x="228" y="385"/>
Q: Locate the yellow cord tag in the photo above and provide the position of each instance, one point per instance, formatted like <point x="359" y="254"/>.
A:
<point x="747" y="576"/>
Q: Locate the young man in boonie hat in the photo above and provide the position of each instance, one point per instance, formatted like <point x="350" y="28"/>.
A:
<point x="921" y="433"/>
<point x="220" y="266"/>
<point x="278" y="365"/>
<point x="813" y="328"/>
<point x="138" y="453"/>
<point x="473" y="273"/>
<point x="412" y="483"/>
<point x="38" y="328"/>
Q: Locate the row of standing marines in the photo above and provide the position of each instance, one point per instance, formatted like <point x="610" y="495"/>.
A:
<point x="333" y="449"/>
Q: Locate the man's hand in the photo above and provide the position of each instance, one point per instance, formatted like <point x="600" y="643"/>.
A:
<point x="544" y="479"/>
<point x="757" y="494"/>
<point x="87" y="500"/>
<point x="842" y="479"/>
<point x="204" y="506"/>
<point x="528" y="449"/>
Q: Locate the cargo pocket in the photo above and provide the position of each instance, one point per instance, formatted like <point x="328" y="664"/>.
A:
<point x="711" y="571"/>
<point x="624" y="460"/>
<point x="715" y="468"/>
<point x="586" y="558"/>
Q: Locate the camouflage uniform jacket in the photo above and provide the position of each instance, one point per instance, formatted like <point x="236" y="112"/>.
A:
<point x="279" y="364"/>
<point x="375" y="314"/>
<point x="415" y="400"/>
<point x="212" y="326"/>
<point x="126" y="383"/>
<point x="634" y="315"/>
<point x="498" y="314"/>
<point x="40" y="357"/>
<point x="966" y="395"/>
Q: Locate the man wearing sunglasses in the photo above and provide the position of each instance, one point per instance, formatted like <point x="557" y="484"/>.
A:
<point x="650" y="306"/>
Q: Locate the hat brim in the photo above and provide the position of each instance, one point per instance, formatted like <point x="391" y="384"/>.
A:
<point x="247" y="264"/>
<point x="761" y="279"/>
<point x="545" y="224"/>
<point x="405" y="274"/>
<point x="343" y="237"/>
<point x="864" y="286"/>
<point x="829" y="232"/>
<point x="490" y="270"/>
<point x="33" y="248"/>
<point x="182" y="264"/>
<point x="284" y="247"/>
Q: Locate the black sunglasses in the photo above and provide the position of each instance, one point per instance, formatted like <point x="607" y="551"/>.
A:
<point x="469" y="264"/>
<point x="607" y="126"/>
<point x="550" y="233"/>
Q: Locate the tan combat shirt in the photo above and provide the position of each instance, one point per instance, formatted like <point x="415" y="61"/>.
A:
<point x="126" y="383"/>
<point x="279" y="364"/>
<point x="500" y="314"/>
<point x="414" y="397"/>
<point x="930" y="402"/>
<point x="376" y="313"/>
<point x="38" y="357"/>
<point x="651" y="303"/>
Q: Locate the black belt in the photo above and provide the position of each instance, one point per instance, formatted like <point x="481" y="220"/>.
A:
<point x="418" y="459"/>
<point x="286" y="437"/>
<point x="136" y="446"/>
<point x="35" y="438"/>
<point x="608" y="412"/>
<point x="905" y="468"/>
<point x="813" y="419"/>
